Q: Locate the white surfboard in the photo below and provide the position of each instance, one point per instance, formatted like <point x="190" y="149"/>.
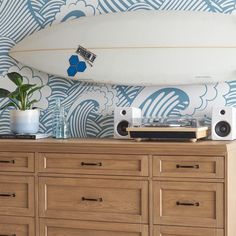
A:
<point x="143" y="48"/>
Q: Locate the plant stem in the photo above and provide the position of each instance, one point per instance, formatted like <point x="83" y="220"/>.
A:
<point x="16" y="104"/>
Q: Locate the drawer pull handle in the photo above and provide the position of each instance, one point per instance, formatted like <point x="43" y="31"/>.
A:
<point x="197" y="204"/>
<point x="92" y="199"/>
<point x="91" y="164"/>
<point x="7" y="161"/>
<point x="187" y="166"/>
<point x="7" y="195"/>
<point x="7" y="234"/>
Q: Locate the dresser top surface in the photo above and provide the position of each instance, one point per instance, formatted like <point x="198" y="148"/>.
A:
<point x="119" y="146"/>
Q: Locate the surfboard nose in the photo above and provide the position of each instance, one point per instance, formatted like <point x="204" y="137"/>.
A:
<point x="14" y="49"/>
<point x="26" y="48"/>
<point x="26" y="51"/>
<point x="28" y="43"/>
<point x="17" y="51"/>
<point x="13" y="52"/>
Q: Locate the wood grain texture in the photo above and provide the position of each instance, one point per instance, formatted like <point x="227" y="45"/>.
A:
<point x="16" y="161"/>
<point x="19" y="226"/>
<point x="139" y="185"/>
<point x="112" y="146"/>
<point x="188" y="166"/>
<point x="52" y="227"/>
<point x="99" y="164"/>
<point x="36" y="192"/>
<point x="186" y="231"/>
<point x="89" y="199"/>
<point x="17" y="195"/>
<point x="188" y="204"/>
<point x="167" y="129"/>
<point x="230" y="194"/>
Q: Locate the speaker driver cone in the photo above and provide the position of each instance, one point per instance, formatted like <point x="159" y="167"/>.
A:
<point x="222" y="128"/>
<point x="121" y="128"/>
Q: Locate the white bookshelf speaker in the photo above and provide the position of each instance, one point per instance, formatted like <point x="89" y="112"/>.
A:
<point x="223" y="126"/>
<point x="125" y="117"/>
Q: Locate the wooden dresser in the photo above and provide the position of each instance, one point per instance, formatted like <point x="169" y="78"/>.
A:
<point x="117" y="188"/>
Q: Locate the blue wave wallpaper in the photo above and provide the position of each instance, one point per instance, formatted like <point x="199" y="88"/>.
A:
<point x="90" y="107"/>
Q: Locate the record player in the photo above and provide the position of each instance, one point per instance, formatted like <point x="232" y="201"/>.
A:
<point x="180" y="128"/>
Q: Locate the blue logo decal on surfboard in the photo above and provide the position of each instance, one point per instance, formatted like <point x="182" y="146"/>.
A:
<point x="76" y="66"/>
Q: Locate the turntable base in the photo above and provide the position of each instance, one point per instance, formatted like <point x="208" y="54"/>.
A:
<point x="168" y="133"/>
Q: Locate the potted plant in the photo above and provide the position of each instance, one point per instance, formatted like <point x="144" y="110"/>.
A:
<point x="24" y="119"/>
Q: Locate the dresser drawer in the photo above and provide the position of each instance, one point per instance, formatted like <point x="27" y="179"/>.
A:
<point x="50" y="227"/>
<point x="17" y="195"/>
<point x="186" y="231"/>
<point x="105" y="164"/>
<point x="16" y="226"/>
<point x="188" y="166"/>
<point x="188" y="204"/>
<point x="16" y="161"/>
<point x="94" y="199"/>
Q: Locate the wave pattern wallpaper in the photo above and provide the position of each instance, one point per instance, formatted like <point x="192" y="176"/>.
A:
<point x="90" y="107"/>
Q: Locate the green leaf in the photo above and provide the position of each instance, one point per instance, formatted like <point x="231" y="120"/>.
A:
<point x="4" y="93"/>
<point x="26" y="87"/>
<point x="15" y="94"/>
<point x="15" y="102"/>
<point x="16" y="78"/>
<point x="10" y="104"/>
<point x="29" y="104"/>
<point x="16" y="97"/>
<point x="20" y="97"/>
<point x="34" y="89"/>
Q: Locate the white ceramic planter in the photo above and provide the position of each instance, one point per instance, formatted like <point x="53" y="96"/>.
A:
<point x="24" y="122"/>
